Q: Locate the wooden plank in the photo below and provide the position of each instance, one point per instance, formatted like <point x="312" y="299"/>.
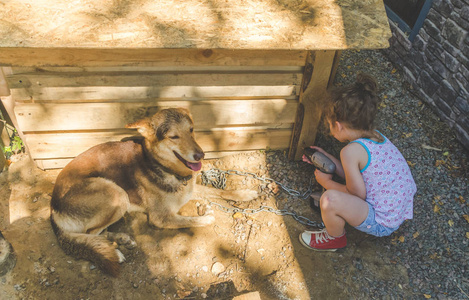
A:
<point x="335" y="66"/>
<point x="102" y="116"/>
<point x="155" y="92"/>
<point x="311" y="102"/>
<point x="60" y="163"/>
<point x="88" y="57"/>
<point x="4" y="136"/>
<point x="197" y="24"/>
<point x="167" y="69"/>
<point x="68" y="145"/>
<point x="4" y="89"/>
<point x="249" y="296"/>
<point x="38" y="81"/>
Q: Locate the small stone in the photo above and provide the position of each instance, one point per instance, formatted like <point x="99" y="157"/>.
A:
<point x="217" y="268"/>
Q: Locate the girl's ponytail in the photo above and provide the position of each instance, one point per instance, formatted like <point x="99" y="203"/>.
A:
<point x="367" y="83"/>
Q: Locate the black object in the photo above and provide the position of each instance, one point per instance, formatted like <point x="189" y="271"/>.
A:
<point x="7" y="256"/>
<point x="314" y="201"/>
<point x="320" y="161"/>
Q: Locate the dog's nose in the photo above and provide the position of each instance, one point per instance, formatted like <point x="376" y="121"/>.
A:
<point x="199" y="156"/>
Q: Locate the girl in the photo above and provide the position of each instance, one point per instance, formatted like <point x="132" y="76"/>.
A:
<point x="379" y="190"/>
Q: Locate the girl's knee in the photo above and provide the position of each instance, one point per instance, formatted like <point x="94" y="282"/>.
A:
<point x="328" y="200"/>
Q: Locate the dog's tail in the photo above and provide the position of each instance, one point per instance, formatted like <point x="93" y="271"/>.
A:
<point x="95" y="248"/>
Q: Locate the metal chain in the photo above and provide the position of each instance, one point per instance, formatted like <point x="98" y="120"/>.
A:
<point x="217" y="178"/>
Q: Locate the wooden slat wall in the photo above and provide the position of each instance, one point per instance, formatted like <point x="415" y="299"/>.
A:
<point x="62" y="111"/>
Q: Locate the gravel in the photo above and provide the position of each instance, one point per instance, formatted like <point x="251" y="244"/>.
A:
<point x="432" y="248"/>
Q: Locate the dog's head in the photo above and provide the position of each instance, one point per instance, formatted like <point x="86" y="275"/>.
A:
<point x="169" y="137"/>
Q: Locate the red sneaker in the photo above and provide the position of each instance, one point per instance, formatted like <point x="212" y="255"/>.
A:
<point x="322" y="241"/>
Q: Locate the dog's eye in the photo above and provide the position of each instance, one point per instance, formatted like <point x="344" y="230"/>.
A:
<point x="192" y="130"/>
<point x="175" y="137"/>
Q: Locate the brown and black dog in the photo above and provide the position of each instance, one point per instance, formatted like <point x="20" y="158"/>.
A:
<point x="155" y="175"/>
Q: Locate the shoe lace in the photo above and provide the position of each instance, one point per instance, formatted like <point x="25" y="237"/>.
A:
<point x="323" y="237"/>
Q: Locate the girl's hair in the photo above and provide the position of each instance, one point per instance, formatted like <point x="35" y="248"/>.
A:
<point x="354" y="105"/>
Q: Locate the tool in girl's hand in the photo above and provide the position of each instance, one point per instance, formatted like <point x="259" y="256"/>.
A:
<point x="319" y="160"/>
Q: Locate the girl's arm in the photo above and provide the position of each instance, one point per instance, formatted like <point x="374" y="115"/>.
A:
<point x="352" y="156"/>
<point x="325" y="180"/>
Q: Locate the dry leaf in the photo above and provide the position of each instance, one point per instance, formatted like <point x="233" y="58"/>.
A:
<point x="183" y="294"/>
<point x="451" y="223"/>
<point x="467" y="235"/>
<point x="461" y="199"/>
<point x="393" y="71"/>
<point x="466" y="217"/>
<point x="430" y="148"/>
<point x="408" y="135"/>
<point x="411" y="164"/>
<point x="416" y="235"/>
<point x="402" y="239"/>
<point x="439" y="162"/>
<point x="436" y="209"/>
<point x="427" y="296"/>
<point x="237" y="215"/>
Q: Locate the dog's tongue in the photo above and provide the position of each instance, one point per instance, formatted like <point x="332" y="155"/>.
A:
<point x="194" y="166"/>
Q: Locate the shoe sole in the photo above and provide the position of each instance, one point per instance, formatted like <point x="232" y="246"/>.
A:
<point x="319" y="250"/>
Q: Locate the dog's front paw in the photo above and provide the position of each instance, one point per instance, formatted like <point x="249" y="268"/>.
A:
<point x="247" y="195"/>
<point x="208" y="217"/>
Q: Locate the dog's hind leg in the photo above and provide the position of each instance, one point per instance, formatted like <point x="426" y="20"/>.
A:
<point x="175" y="220"/>
<point x="202" y="192"/>
<point x="83" y="213"/>
<point x="108" y="201"/>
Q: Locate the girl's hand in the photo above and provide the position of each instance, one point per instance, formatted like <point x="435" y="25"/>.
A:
<point x="322" y="178"/>
<point x="305" y="159"/>
<point x="339" y="169"/>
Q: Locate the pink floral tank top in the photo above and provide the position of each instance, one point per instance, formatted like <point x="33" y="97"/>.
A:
<point x="390" y="188"/>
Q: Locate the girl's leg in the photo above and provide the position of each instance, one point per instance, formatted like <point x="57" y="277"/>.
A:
<point x="337" y="208"/>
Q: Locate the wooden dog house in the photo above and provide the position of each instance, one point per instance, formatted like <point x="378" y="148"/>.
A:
<point x="252" y="72"/>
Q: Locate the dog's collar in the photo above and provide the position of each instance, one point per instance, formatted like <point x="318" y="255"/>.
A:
<point x="184" y="179"/>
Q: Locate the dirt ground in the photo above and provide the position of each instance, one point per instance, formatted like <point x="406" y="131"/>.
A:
<point x="236" y="255"/>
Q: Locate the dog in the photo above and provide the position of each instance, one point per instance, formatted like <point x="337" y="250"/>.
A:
<point x="154" y="174"/>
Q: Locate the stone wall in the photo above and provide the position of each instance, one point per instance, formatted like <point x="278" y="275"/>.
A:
<point x="436" y="63"/>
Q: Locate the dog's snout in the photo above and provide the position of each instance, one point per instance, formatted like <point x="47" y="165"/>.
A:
<point x="199" y="156"/>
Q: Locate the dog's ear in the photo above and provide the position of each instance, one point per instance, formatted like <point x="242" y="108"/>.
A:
<point x="144" y="126"/>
